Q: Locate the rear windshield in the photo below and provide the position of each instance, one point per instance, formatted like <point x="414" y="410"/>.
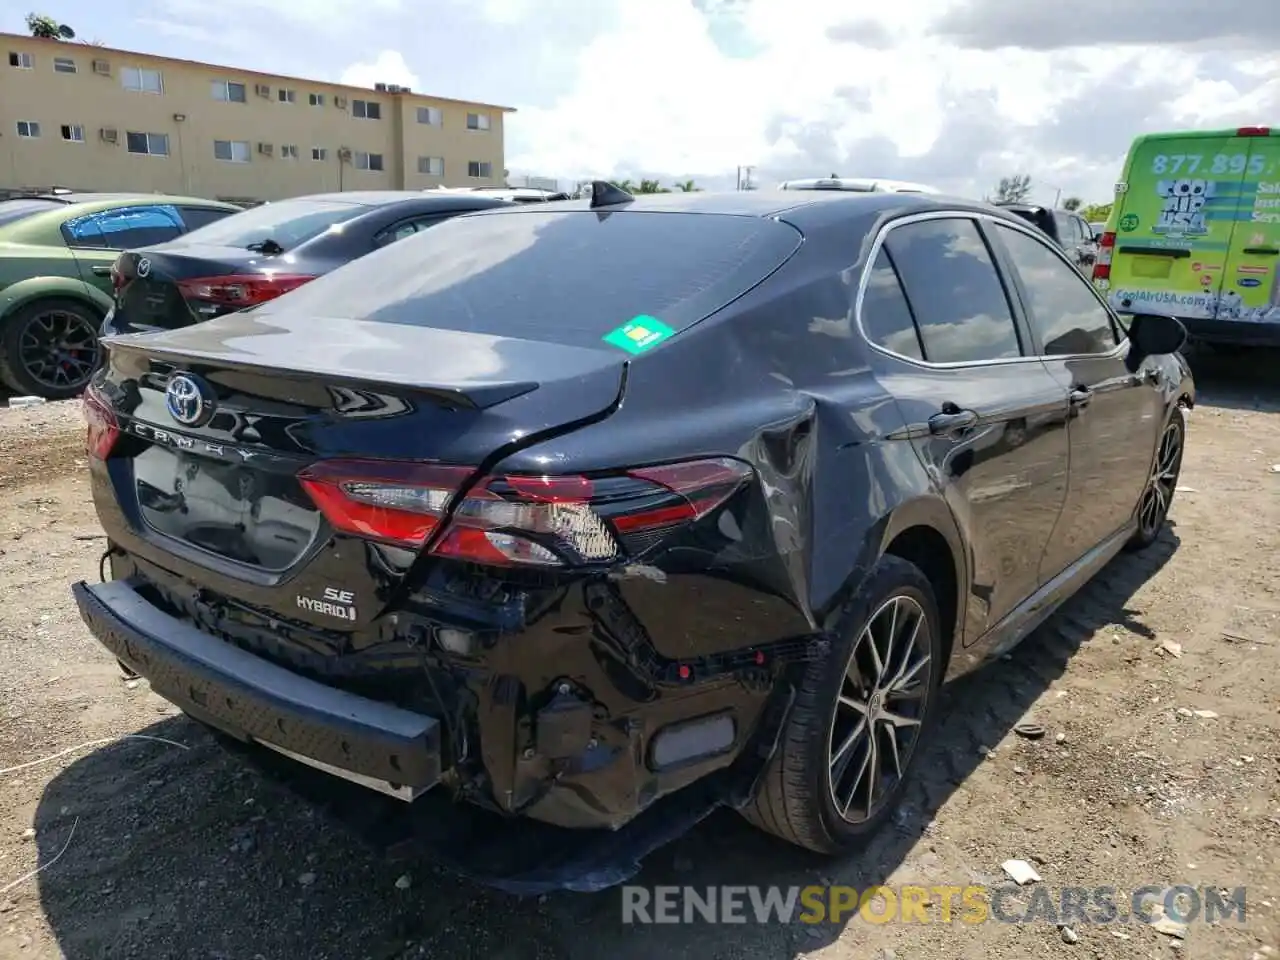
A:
<point x="11" y="211"/>
<point x="569" y="277"/>
<point x="288" y="223"/>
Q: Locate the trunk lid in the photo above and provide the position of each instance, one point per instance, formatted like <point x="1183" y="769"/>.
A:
<point x="217" y="499"/>
<point x="153" y="289"/>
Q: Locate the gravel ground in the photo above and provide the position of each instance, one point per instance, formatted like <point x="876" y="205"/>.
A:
<point x="172" y="849"/>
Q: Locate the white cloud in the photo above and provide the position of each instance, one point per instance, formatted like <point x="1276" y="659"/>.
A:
<point x="656" y="95"/>
<point x="387" y="67"/>
<point x="940" y="91"/>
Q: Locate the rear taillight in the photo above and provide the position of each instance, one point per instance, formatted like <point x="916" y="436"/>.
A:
<point x="1253" y="132"/>
<point x="1102" y="265"/>
<point x="103" y="427"/>
<point x="513" y="519"/>
<point x="238" y="291"/>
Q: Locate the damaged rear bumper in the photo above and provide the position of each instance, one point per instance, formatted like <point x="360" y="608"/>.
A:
<point x="377" y="745"/>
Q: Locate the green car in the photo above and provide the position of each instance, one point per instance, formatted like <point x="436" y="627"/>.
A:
<point x="56" y="252"/>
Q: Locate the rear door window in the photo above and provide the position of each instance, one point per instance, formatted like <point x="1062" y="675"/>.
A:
<point x="955" y="293"/>
<point x="124" y="227"/>
<point x="569" y="277"/>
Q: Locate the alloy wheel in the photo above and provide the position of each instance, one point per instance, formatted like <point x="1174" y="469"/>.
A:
<point x="880" y="708"/>
<point x="59" y="349"/>
<point x="1164" y="480"/>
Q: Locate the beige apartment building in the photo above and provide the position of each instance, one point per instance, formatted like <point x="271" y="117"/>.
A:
<point x="93" y="118"/>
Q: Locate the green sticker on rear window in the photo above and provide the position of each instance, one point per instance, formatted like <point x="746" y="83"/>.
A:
<point x="639" y="334"/>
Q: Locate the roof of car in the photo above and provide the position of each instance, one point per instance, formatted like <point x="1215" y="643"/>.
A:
<point x="767" y="203"/>
<point x="381" y="198"/>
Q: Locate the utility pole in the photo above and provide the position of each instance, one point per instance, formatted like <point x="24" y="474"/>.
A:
<point x="744" y="178"/>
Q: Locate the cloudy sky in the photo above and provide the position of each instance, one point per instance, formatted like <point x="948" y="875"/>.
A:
<point x="952" y="92"/>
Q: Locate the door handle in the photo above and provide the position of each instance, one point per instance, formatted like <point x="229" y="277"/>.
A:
<point x="952" y="421"/>
<point x="101" y="270"/>
<point x="1080" y="396"/>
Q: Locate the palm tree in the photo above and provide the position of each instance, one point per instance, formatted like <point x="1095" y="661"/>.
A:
<point x="626" y="185"/>
<point x="651" y="186"/>
<point x="687" y="187"/>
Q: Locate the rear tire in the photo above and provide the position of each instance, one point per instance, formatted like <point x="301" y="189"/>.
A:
<point x="819" y="791"/>
<point x="74" y="333"/>
<point x="1157" y="496"/>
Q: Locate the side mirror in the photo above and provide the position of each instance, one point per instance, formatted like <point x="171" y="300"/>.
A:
<point x="1151" y="335"/>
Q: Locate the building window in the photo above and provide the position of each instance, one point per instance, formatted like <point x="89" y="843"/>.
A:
<point x="287" y="96"/>
<point x="233" y="151"/>
<point x="141" y="80"/>
<point x="22" y="61"/>
<point x="288" y="151"/>
<point x="73" y="132"/>
<point x="315" y="99"/>
<point x="477" y="121"/>
<point x="431" y="116"/>
<point x="431" y="166"/>
<point x="479" y="169"/>
<point x="64" y="65"/>
<point x="368" y="161"/>
<point x="366" y="109"/>
<point x="151" y="144"/>
<point x="228" y="91"/>
<point x="28" y="129"/>
<point x="319" y="153"/>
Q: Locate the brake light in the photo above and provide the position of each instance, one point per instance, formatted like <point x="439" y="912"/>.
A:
<point x="1253" y="132"/>
<point x="1102" y="265"/>
<point x="239" y="291"/>
<point x="518" y="519"/>
<point x="103" y="427"/>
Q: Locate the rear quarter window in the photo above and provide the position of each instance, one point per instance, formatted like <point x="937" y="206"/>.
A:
<point x="568" y="277"/>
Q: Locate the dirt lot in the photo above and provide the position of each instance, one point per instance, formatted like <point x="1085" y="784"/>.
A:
<point x="175" y="850"/>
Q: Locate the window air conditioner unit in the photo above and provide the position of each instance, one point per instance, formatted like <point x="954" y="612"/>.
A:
<point x="340" y="102"/>
<point x="102" y="68"/>
<point x="266" y="149"/>
<point x="262" y="90"/>
<point x="109" y="135"/>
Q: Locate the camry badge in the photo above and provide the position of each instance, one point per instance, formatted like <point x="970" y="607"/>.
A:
<point x="188" y="400"/>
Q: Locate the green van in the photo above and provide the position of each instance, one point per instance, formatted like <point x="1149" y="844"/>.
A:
<point x="1195" y="233"/>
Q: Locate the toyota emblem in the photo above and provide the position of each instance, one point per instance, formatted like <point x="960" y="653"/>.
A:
<point x="188" y="400"/>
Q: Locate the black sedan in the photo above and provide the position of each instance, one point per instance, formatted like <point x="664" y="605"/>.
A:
<point x="573" y="511"/>
<point x="257" y="255"/>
